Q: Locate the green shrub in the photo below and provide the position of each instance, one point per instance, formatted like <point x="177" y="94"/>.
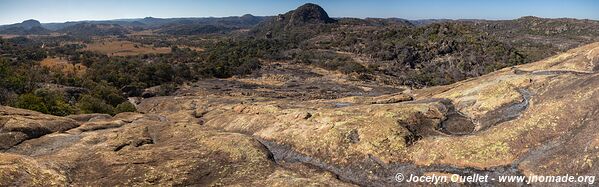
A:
<point x="125" y="107"/>
<point x="31" y="102"/>
<point x="351" y="66"/>
<point x="10" y="78"/>
<point x="108" y="93"/>
<point x="55" y="102"/>
<point x="90" y="104"/>
<point x="45" y="101"/>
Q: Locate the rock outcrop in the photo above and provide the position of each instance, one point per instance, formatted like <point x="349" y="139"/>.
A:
<point x="307" y="13"/>
<point x="18" y="125"/>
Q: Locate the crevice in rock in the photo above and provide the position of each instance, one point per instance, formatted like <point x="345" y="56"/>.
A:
<point x="505" y="113"/>
<point x="96" y="126"/>
<point x="269" y="152"/>
<point x="3" y="121"/>
<point x="518" y="71"/>
<point x="119" y="147"/>
<point x="33" y="132"/>
<point x="145" y="139"/>
<point x="458" y="124"/>
<point x="100" y="128"/>
<point x="373" y="172"/>
<point x="134" y="143"/>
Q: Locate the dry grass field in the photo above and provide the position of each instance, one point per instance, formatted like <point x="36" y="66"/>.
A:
<point x="124" y="48"/>
<point x="8" y="36"/>
<point x="62" y="65"/>
<point x="198" y="49"/>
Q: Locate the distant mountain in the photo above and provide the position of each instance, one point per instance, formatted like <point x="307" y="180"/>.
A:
<point x="250" y="18"/>
<point x="194" y="29"/>
<point x="388" y="21"/>
<point x="154" y="21"/>
<point x="174" y="26"/>
<point x="24" y="28"/>
<point x="195" y="26"/>
<point x="28" y="24"/>
<point x="245" y="21"/>
<point x="89" y="29"/>
<point x="58" y="26"/>
<point x="428" y="21"/>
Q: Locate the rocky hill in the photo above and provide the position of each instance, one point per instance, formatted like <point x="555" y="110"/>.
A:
<point x="538" y="118"/>
<point x="26" y="27"/>
<point x="27" y="24"/>
<point x="307" y="13"/>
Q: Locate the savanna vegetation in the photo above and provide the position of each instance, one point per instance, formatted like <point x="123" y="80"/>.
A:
<point x="100" y="65"/>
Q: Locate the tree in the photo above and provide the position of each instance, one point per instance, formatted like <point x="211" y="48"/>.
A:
<point x="89" y="104"/>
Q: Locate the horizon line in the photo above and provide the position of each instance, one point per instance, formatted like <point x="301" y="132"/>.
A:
<point x="200" y="17"/>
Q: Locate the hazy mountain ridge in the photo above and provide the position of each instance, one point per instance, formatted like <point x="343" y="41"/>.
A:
<point x="306" y="13"/>
<point x="150" y="22"/>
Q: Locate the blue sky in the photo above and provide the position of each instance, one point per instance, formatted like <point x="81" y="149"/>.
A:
<point x="12" y="11"/>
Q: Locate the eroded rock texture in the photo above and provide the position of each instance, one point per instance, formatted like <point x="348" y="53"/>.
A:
<point x="539" y="118"/>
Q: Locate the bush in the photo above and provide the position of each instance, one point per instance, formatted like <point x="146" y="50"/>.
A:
<point x="166" y="89"/>
<point x="45" y="101"/>
<point x="31" y="102"/>
<point x="7" y="96"/>
<point x="11" y="79"/>
<point x="125" y="107"/>
<point x="351" y="66"/>
<point x="90" y="104"/>
<point x="55" y="102"/>
<point x="247" y="66"/>
<point x="108" y="93"/>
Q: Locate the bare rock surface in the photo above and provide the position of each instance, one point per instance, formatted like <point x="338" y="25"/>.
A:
<point x="539" y="118"/>
<point x="18" y="125"/>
